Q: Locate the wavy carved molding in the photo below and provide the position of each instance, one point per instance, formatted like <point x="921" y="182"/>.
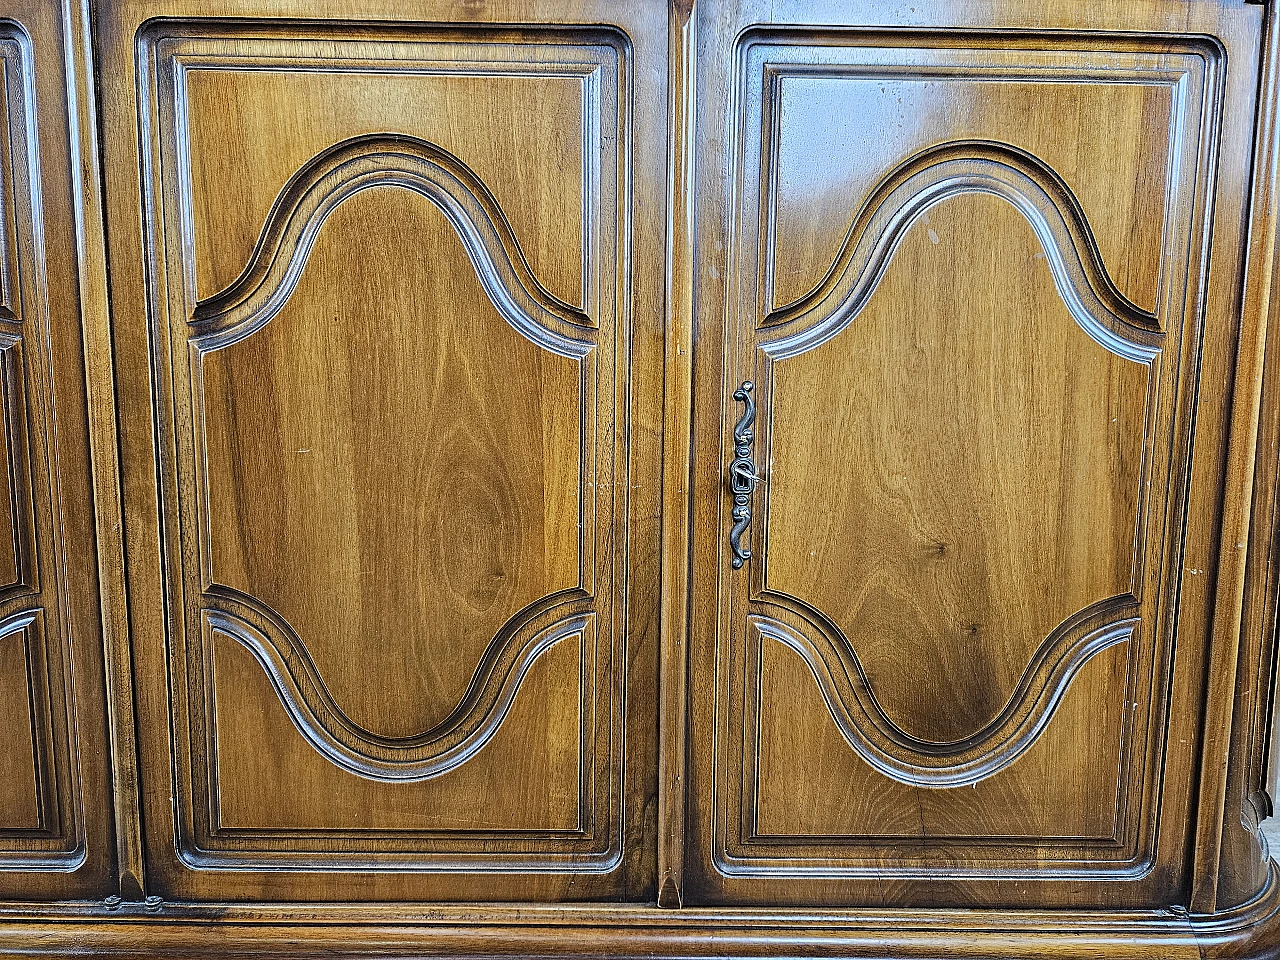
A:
<point x="1100" y="310"/>
<point x="929" y="178"/>
<point x="247" y="305"/>
<point x="883" y="744"/>
<point x="21" y="631"/>
<point x="581" y="71"/>
<point x="448" y="744"/>
<point x="340" y="172"/>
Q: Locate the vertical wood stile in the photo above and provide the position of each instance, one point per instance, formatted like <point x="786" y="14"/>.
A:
<point x="1237" y="503"/>
<point x="100" y="379"/>
<point x="676" y="465"/>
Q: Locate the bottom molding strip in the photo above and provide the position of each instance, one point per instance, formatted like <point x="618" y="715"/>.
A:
<point x="504" y="930"/>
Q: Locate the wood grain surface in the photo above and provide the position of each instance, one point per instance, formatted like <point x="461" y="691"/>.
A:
<point x="984" y="273"/>
<point x="387" y="391"/>
<point x="55" y="800"/>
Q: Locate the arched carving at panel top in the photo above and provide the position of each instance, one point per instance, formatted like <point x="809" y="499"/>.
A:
<point x="928" y="179"/>
<point x="1132" y="110"/>
<point x="970" y="314"/>
<point x="363" y="162"/>
<point x="981" y="461"/>
<point x="391" y="397"/>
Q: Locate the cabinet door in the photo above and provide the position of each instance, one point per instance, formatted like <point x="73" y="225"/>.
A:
<point x="388" y="340"/>
<point x="55" y="811"/>
<point x="964" y="260"/>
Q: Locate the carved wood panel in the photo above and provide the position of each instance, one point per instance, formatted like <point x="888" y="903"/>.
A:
<point x="966" y="278"/>
<point x="392" y="391"/>
<point x="41" y="816"/>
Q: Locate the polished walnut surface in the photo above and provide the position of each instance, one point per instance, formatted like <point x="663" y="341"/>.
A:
<point x="981" y="351"/>
<point x="538" y="477"/>
<point x="402" y="488"/>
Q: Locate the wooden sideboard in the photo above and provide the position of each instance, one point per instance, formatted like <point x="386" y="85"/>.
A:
<point x="570" y="477"/>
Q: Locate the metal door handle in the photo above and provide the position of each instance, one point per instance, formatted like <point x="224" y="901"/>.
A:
<point x="742" y="473"/>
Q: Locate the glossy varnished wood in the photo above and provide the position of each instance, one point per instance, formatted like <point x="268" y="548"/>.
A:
<point x="1231" y="792"/>
<point x="411" y="410"/>
<point x="676" y="462"/>
<point x="631" y="931"/>
<point x="965" y="270"/>
<point x="402" y="344"/>
<point x="55" y="818"/>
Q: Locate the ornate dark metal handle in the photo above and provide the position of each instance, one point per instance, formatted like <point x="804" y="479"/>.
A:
<point x="742" y="474"/>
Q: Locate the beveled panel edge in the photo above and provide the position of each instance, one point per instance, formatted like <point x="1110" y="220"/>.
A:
<point x="343" y="170"/>
<point x="280" y="257"/>
<point x="894" y="752"/>
<point x="585" y="850"/>
<point x="602" y="850"/>
<point x="1199" y="54"/>
<point x="1114" y="857"/>
<point x="181" y="43"/>
<point x="1222" y="756"/>
<point x="1176" y="392"/>
<point x="44" y="848"/>
<point x="15" y="633"/>
<point x="321" y="721"/>
<point x="13" y="412"/>
<point x="1101" y="312"/>
<point x="12" y="41"/>
<point x="932" y="176"/>
<point x="1128" y="333"/>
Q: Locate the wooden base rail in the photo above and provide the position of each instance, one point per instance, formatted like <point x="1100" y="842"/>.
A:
<point x="349" y="931"/>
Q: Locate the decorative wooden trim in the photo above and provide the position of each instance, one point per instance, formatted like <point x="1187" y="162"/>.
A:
<point x="589" y="847"/>
<point x="676" y="454"/>
<point x="896" y="753"/>
<point x="1132" y="862"/>
<point x="179" y="931"/>
<point x="315" y="191"/>
<point x="965" y="167"/>
<point x="361" y="930"/>
<point x="337" y="737"/>
<point x="1237" y="506"/>
<point x="104" y="449"/>
<point x="41" y="586"/>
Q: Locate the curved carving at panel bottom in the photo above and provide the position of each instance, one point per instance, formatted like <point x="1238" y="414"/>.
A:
<point x="25" y="719"/>
<point x="907" y="759"/>
<point x="342" y="171"/>
<point x="470" y="726"/>
<point x="969" y="166"/>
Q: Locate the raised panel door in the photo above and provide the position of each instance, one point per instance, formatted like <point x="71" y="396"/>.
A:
<point x="966" y="285"/>
<point x="395" y="331"/>
<point x="55" y="809"/>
